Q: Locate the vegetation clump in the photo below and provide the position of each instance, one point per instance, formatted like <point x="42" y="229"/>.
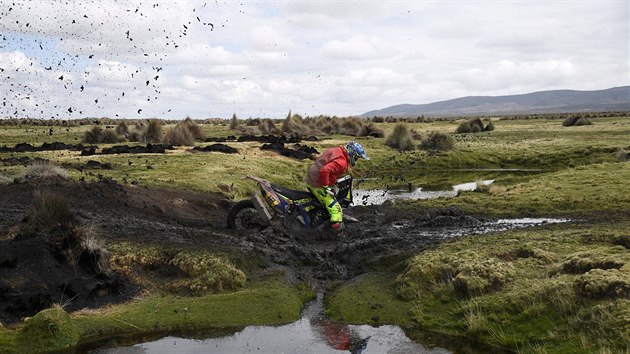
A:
<point x="206" y="273"/>
<point x="622" y="155"/>
<point x="43" y="169"/>
<point x="468" y="273"/>
<point x="99" y="135"/>
<point x="622" y="240"/>
<point x="196" y="271"/>
<point x="152" y="132"/>
<point x="400" y="138"/>
<point x="474" y="126"/>
<point x="529" y="251"/>
<point x="582" y="262"/>
<point x="50" y="209"/>
<point x="481" y="277"/>
<point x="51" y="329"/>
<point x="604" y="283"/>
<point x="122" y="128"/>
<point x="437" y="141"/>
<point x="179" y="135"/>
<point x="576" y="121"/>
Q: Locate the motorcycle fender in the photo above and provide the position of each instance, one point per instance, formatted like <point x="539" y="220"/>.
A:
<point x="259" y="203"/>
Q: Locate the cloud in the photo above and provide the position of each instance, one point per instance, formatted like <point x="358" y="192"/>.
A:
<point x="199" y="58"/>
<point x="357" y="48"/>
<point x="509" y="75"/>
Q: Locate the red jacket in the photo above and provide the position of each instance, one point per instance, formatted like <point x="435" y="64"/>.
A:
<point x="329" y="166"/>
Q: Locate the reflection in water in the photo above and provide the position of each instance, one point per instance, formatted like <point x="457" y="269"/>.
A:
<point x="311" y="334"/>
<point x="379" y="196"/>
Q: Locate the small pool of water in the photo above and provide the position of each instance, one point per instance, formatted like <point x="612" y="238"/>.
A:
<point x="379" y="196"/>
<point x="313" y="333"/>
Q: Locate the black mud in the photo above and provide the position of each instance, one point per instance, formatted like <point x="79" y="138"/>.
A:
<point x="116" y="212"/>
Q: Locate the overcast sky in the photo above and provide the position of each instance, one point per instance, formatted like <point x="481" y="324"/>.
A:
<point x="172" y="59"/>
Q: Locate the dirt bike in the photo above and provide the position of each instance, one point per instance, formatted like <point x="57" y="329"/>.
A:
<point x="288" y="209"/>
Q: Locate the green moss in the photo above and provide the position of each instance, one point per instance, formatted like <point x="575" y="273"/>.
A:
<point x="470" y="273"/>
<point x="272" y="302"/>
<point x="49" y="330"/>
<point x="582" y="262"/>
<point x="7" y="340"/>
<point x="539" y="309"/>
<point x="368" y="299"/>
<point x="266" y="303"/>
<point x="206" y="272"/>
<point x="192" y="271"/>
<point x="603" y="283"/>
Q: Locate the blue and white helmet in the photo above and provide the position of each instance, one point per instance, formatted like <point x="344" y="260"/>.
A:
<point x="355" y="150"/>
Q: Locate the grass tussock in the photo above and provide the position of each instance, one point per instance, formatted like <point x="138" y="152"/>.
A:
<point x="576" y="121"/>
<point x="179" y="135"/>
<point x="604" y="283"/>
<point x="206" y="272"/>
<point x="468" y="273"/>
<point x="44" y="169"/>
<point x="582" y="262"/>
<point x="122" y="128"/>
<point x="437" y="141"/>
<point x="195" y="130"/>
<point x="400" y="138"/>
<point x="474" y="126"/>
<point x="622" y="155"/>
<point x="98" y="135"/>
<point x="234" y="123"/>
<point x="193" y="272"/>
<point x="152" y="132"/>
<point x="50" y="209"/>
<point x="93" y="253"/>
<point x="529" y="251"/>
<point x="52" y="329"/>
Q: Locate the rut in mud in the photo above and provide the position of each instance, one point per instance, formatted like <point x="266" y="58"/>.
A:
<point x="35" y="273"/>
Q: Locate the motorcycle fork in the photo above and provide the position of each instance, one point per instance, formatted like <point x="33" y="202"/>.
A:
<point x="259" y="204"/>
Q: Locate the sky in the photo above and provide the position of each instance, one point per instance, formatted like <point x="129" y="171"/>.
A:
<point x="212" y="59"/>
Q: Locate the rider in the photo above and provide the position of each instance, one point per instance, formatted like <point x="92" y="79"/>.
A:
<point x="323" y="174"/>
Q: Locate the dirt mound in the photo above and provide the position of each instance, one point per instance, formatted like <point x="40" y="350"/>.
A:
<point x="217" y="148"/>
<point x="26" y="147"/>
<point x="39" y="269"/>
<point x="148" y="149"/>
<point x="42" y="266"/>
<point x="299" y="152"/>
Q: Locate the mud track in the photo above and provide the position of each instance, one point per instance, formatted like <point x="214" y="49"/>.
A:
<point x="33" y="275"/>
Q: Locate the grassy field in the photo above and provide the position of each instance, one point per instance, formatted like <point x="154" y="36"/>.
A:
<point x="515" y="144"/>
<point x="551" y="289"/>
<point x="556" y="289"/>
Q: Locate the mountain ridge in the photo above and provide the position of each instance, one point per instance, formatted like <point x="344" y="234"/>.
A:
<point x="551" y="101"/>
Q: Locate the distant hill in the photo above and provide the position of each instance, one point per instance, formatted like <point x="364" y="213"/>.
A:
<point x="555" y="101"/>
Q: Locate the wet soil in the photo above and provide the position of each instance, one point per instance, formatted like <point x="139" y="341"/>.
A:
<point x="36" y="272"/>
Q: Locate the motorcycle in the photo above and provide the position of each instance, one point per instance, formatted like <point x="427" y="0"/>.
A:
<point x="288" y="209"/>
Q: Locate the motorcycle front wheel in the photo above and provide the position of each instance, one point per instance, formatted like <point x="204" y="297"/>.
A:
<point x="244" y="216"/>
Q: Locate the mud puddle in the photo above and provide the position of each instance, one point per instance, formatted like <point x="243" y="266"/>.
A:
<point x="380" y="196"/>
<point x="313" y="333"/>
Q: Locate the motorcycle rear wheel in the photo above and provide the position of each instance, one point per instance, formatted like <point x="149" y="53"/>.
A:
<point x="244" y="216"/>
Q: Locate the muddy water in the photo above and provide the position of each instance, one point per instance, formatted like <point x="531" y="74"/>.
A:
<point x="313" y="333"/>
<point x="380" y="196"/>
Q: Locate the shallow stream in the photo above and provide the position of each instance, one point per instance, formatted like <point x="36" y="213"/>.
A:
<point x="380" y="196"/>
<point x="313" y="333"/>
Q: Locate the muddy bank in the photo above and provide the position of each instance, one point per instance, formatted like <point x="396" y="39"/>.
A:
<point x="117" y="213"/>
